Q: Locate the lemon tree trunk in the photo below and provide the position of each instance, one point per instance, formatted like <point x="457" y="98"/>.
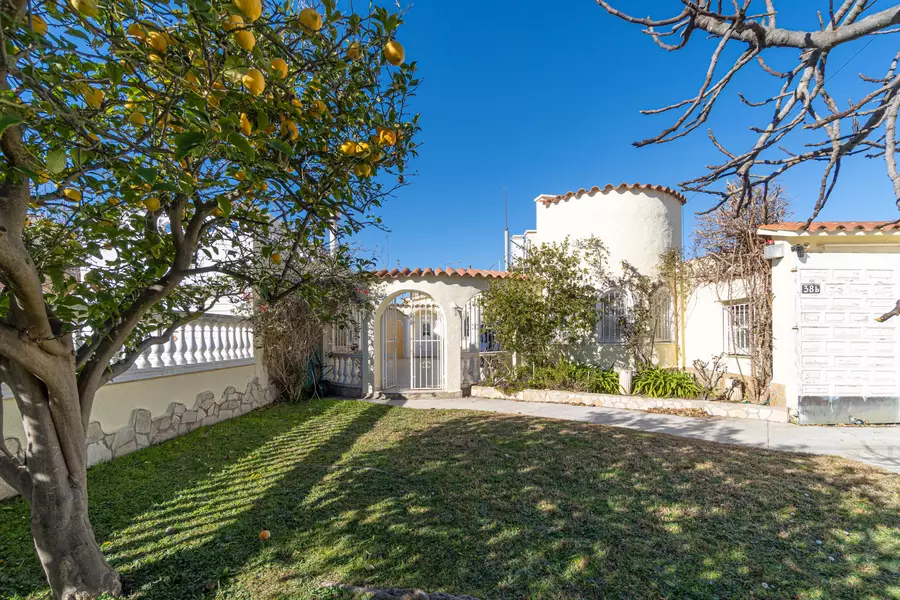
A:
<point x="53" y="478"/>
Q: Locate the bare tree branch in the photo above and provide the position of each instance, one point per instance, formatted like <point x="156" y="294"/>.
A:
<point x="803" y="95"/>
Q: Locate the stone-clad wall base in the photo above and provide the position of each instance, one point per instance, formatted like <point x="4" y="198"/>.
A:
<point x="144" y="430"/>
<point x="717" y="409"/>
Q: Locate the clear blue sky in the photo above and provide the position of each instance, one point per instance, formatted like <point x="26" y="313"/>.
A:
<point x="544" y="98"/>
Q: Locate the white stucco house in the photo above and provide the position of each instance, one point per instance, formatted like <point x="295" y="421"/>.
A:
<point x="833" y="361"/>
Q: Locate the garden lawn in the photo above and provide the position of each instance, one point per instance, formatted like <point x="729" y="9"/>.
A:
<point x="474" y="503"/>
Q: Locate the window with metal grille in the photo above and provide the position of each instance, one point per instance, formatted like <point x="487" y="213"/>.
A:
<point x="737" y="329"/>
<point x="663" y="315"/>
<point x="613" y="311"/>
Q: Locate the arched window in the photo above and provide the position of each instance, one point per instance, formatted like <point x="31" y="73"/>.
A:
<point x="663" y="315"/>
<point x="613" y="312"/>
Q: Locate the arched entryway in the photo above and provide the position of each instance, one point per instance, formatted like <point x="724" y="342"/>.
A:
<point x="413" y="330"/>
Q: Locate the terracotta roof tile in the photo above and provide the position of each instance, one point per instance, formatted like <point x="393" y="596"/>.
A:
<point x="418" y="272"/>
<point x="832" y="226"/>
<point x="547" y="200"/>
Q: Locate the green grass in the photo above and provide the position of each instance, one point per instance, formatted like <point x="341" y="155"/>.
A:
<point x="493" y="506"/>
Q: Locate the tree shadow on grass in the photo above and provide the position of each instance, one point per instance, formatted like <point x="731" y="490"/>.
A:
<point x="515" y="507"/>
<point x="178" y="518"/>
<point x="500" y="507"/>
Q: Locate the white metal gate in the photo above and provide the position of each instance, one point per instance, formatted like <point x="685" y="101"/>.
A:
<point x="391" y="344"/>
<point x="413" y="331"/>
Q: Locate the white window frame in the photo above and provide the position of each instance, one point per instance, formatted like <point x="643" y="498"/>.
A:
<point x="737" y="328"/>
<point x="612" y="313"/>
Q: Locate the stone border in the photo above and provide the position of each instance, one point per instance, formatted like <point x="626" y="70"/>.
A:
<point x="731" y="410"/>
<point x="143" y="430"/>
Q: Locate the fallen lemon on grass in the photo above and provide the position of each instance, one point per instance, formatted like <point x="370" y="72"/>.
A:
<point x="252" y="9"/>
<point x="264" y="534"/>
<point x="152" y="204"/>
<point x="254" y="81"/>
<point x="280" y="66"/>
<point x="394" y="53"/>
<point x="39" y="25"/>
<point x="310" y="19"/>
<point x="245" y="39"/>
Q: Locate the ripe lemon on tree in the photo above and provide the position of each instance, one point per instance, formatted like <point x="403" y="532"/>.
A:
<point x="232" y="22"/>
<point x="394" y="53"/>
<point x="137" y="119"/>
<point x="92" y="96"/>
<point x="276" y="258"/>
<point x="317" y="108"/>
<point x="158" y="41"/>
<point x="72" y="194"/>
<point x="280" y="66"/>
<point x="136" y="31"/>
<point x="254" y="81"/>
<point x="354" y="52"/>
<point x="39" y="25"/>
<point x="348" y="148"/>
<point x="387" y="136"/>
<point x="246" y="126"/>
<point x="310" y="19"/>
<point x="363" y="169"/>
<point x="252" y="9"/>
<point x="86" y="7"/>
<point x="245" y="39"/>
<point x="289" y="129"/>
<point x="152" y="204"/>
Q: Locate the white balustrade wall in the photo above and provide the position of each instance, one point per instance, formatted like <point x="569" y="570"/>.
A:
<point x="345" y="369"/>
<point x="212" y="342"/>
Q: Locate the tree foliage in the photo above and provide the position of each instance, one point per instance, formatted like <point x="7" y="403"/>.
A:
<point x="548" y="304"/>
<point x="156" y="156"/>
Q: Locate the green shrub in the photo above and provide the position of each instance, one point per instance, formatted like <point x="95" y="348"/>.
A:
<point x="604" y="381"/>
<point x="565" y="375"/>
<point x="666" y="383"/>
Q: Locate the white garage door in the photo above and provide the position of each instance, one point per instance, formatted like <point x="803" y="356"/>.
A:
<point x="848" y="362"/>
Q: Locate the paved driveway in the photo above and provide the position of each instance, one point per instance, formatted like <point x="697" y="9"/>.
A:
<point x="879" y="446"/>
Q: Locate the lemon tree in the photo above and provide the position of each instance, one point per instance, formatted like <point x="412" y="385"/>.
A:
<point x="157" y="156"/>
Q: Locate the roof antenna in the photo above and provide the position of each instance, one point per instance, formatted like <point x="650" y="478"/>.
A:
<point x="505" y="233"/>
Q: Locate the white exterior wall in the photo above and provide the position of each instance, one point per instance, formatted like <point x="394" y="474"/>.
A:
<point x="451" y="294"/>
<point x="705" y="327"/>
<point x="136" y="413"/>
<point x="635" y="225"/>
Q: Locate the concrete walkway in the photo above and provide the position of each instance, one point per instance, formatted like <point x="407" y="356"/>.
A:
<point x="879" y="446"/>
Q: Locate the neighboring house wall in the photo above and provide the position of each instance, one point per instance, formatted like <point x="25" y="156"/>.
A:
<point x="211" y="372"/>
<point x="833" y="361"/>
